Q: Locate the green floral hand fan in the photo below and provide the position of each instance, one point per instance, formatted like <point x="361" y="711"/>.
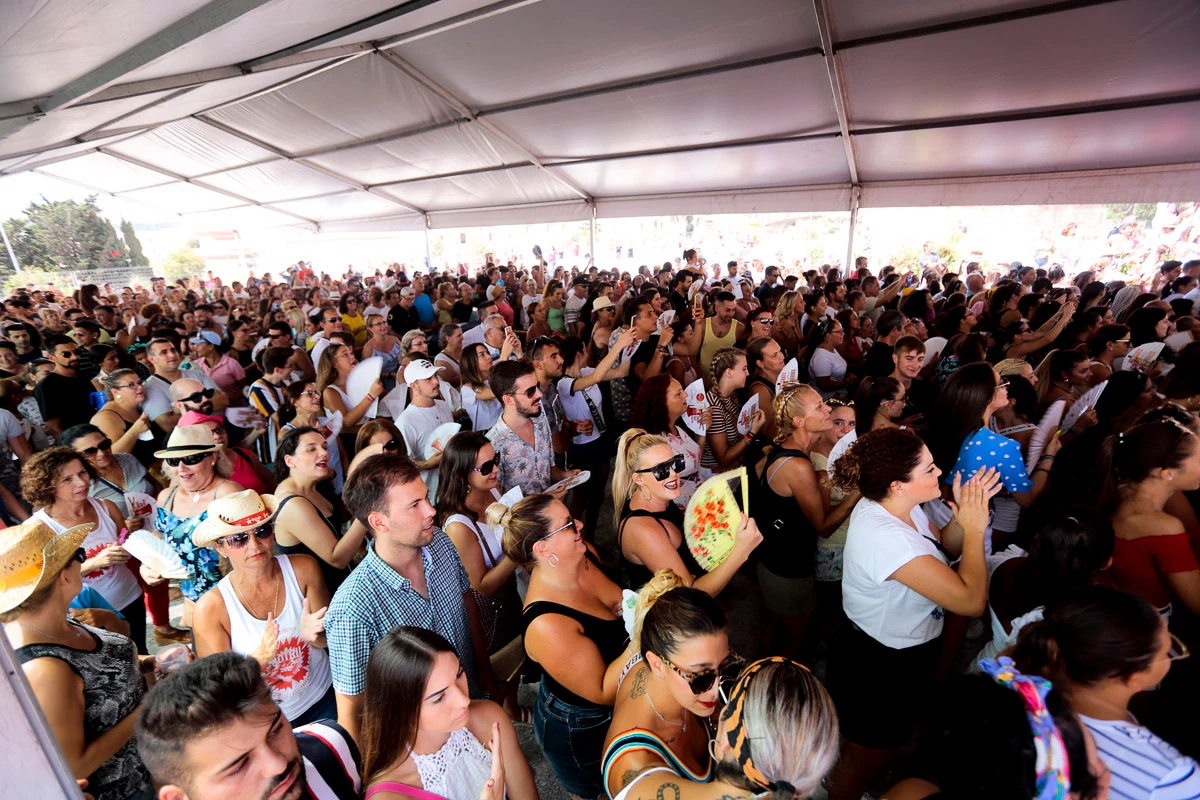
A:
<point x="713" y="517"/>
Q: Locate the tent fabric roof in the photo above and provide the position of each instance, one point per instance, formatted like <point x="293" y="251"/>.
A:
<point x="371" y="115"/>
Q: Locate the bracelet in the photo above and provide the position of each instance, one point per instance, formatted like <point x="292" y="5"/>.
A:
<point x="748" y="438"/>
<point x="1046" y="458"/>
<point x="662" y="350"/>
<point x="1036" y="470"/>
<point x="371" y="398"/>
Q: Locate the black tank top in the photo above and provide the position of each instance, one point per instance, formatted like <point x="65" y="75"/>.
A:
<point x="635" y="576"/>
<point x="333" y="576"/>
<point x="789" y="545"/>
<point x="608" y="635"/>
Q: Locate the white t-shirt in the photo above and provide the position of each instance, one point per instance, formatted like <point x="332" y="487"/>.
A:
<point x="878" y="544"/>
<point x="158" y="391"/>
<point x="1143" y="766"/>
<point x="576" y="408"/>
<point x="416" y="425"/>
<point x="826" y="364"/>
<point x="483" y="413"/>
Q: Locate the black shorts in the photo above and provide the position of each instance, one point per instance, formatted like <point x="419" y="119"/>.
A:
<point x="879" y="690"/>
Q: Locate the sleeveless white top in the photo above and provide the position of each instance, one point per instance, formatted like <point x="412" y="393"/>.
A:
<point x="116" y="584"/>
<point x="299" y="674"/>
<point x="458" y="770"/>
<point x="489" y="536"/>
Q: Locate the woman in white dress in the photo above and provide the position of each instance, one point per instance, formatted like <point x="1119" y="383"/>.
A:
<point x="481" y="405"/>
<point x="422" y="734"/>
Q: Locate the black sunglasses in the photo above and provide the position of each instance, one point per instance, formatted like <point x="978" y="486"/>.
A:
<point x="662" y="471"/>
<point x="195" y="397"/>
<point x="701" y="682"/>
<point x="91" y="452"/>
<point x="79" y="555"/>
<point x="530" y="392"/>
<point x="191" y="460"/>
<point x="236" y="541"/>
<point x="391" y="445"/>
<point x="486" y="467"/>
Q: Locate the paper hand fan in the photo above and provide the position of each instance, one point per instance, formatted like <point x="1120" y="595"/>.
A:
<point x="1086" y="402"/>
<point x="333" y="426"/>
<point x="713" y="517"/>
<point x="1143" y="356"/>
<point x="156" y="554"/>
<point x="511" y="497"/>
<point x="789" y="374"/>
<point x="140" y="504"/>
<point x="697" y="404"/>
<point x="1045" y="429"/>
<point x="358" y="383"/>
<point x="571" y="482"/>
<point x="441" y="435"/>
<point x="665" y="319"/>
<point x="243" y="416"/>
<point x="746" y="415"/>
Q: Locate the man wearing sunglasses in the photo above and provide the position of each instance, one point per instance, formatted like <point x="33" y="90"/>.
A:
<point x="62" y="396"/>
<point x="279" y="334"/>
<point x="426" y="410"/>
<point x="164" y="356"/>
<point x="522" y="436"/>
<point x="189" y="395"/>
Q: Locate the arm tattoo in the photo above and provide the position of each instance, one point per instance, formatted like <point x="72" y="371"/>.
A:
<point x="629" y="774"/>
<point x="639" y="682"/>
<point x="668" y="791"/>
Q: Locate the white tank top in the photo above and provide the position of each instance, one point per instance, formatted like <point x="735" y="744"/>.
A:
<point x="458" y="770"/>
<point x="299" y="674"/>
<point x="116" y="584"/>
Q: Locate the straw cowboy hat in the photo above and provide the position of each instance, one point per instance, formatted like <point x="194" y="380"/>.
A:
<point x="235" y="513"/>
<point x="189" y="440"/>
<point x="31" y="556"/>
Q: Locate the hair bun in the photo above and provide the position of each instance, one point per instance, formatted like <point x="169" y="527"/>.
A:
<point x="498" y="514"/>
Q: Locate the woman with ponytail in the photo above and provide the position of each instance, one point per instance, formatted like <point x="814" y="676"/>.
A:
<point x="1062" y="375"/>
<point x="574" y="636"/>
<point x="776" y="739"/>
<point x="786" y="483"/>
<point x="897" y="586"/>
<point x="724" y="446"/>
<point x="1103" y="646"/>
<point x="1152" y="556"/>
<point x="649" y="523"/>
<point x="663" y="701"/>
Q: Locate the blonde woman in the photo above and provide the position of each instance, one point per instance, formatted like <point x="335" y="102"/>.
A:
<point x="786" y="483"/>
<point x="336" y="364"/>
<point x="649" y="523"/>
<point x="788" y="312"/>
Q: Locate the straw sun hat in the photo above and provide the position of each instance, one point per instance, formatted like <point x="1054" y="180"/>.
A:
<point x="31" y="556"/>
<point x="235" y="513"/>
<point x="189" y="440"/>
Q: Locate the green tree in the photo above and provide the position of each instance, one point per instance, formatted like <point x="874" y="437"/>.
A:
<point x="137" y="258"/>
<point x="1118" y="211"/>
<point x="183" y="263"/>
<point x="64" y="234"/>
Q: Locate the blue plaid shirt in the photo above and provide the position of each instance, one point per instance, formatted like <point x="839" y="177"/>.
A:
<point x="375" y="599"/>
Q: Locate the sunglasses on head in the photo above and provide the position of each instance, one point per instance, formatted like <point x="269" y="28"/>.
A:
<point x="191" y="460"/>
<point x="91" y="452"/>
<point x="486" y="467"/>
<point x="196" y="397"/>
<point x="236" y="541"/>
<point x="701" y="682"/>
<point x="662" y="471"/>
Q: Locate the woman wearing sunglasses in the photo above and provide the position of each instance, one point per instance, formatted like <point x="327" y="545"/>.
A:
<point x="56" y="483"/>
<point x="649" y="523"/>
<point x="664" y="702"/>
<point x="467" y="485"/>
<point x="776" y="739"/>
<point x="574" y="636"/>
<point x="350" y="307"/>
<point x="89" y="682"/>
<point x="240" y="463"/>
<point x="380" y="435"/>
<point x="1104" y="646"/>
<point x="116" y="473"/>
<point x="271" y="607"/>
<point x="383" y="344"/>
<point x="302" y="408"/>
<point x="191" y="460"/>
<point x="309" y="521"/>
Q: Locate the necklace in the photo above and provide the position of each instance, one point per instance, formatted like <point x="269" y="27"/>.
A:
<point x="196" y="494"/>
<point x="249" y="608"/>
<point x="682" y="725"/>
<point x="74" y="632"/>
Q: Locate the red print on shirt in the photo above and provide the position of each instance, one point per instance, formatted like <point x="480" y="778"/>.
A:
<point x="289" y="668"/>
<point x="91" y="553"/>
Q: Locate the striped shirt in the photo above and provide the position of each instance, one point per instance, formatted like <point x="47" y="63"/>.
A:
<point x="331" y="762"/>
<point x="1143" y="766"/>
<point x="265" y="396"/>
<point x="375" y="599"/>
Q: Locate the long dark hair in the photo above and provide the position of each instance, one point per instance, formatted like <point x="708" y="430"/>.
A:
<point x="1075" y="544"/>
<point x="871" y="394"/>
<point x="650" y="405"/>
<point x="1131" y="456"/>
<point x="1142" y="324"/>
<point x="397" y="673"/>
<point x="458" y="460"/>
<point x="287" y="447"/>
<point x="959" y="410"/>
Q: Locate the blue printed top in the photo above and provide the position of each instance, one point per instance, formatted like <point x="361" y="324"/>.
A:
<point x="984" y="448"/>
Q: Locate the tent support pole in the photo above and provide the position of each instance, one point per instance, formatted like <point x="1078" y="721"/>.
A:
<point x="855" y="201"/>
<point x="12" y="256"/>
<point x="591" y="233"/>
<point x="428" y="246"/>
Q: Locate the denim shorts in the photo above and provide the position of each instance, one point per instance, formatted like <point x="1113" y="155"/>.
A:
<point x="572" y="738"/>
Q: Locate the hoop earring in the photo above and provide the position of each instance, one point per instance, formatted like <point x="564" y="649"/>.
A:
<point x="712" y="750"/>
<point x="553" y="560"/>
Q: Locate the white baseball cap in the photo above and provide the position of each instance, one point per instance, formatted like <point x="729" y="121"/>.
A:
<point x="419" y="370"/>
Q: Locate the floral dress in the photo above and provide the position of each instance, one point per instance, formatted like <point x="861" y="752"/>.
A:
<point x="202" y="562"/>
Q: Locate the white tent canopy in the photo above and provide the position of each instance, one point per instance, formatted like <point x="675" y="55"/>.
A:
<point x="376" y="116"/>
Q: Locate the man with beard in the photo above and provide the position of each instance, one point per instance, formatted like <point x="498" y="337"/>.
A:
<point x="522" y="436"/>
<point x="18" y="334"/>
<point x="411" y="575"/>
<point x="63" y="396"/>
<point x="426" y="410"/>
<point x="212" y="732"/>
<point x="191" y="395"/>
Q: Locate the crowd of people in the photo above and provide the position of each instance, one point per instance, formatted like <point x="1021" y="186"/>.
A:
<point x="968" y="559"/>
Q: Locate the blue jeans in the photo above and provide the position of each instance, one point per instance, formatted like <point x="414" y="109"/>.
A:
<point x="325" y="708"/>
<point x="572" y="737"/>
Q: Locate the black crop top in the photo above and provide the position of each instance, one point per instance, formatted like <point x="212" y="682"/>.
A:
<point x="608" y="634"/>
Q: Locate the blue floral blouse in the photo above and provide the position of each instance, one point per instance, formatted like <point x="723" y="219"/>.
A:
<point x="203" y="562"/>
